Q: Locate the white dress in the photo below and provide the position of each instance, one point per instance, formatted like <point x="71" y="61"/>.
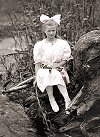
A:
<point x="48" y="53"/>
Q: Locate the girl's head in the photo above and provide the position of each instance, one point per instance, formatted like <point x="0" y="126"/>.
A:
<point x="50" y="25"/>
<point x="49" y="22"/>
<point x="50" y="31"/>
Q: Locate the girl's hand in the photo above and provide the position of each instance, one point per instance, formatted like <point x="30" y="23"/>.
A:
<point x="34" y="83"/>
<point x="56" y="65"/>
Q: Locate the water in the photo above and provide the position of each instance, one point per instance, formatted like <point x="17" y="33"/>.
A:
<point x="8" y="46"/>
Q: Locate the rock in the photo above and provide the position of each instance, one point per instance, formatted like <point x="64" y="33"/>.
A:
<point x="13" y="120"/>
<point x="71" y="125"/>
<point x="87" y="66"/>
<point x="87" y="54"/>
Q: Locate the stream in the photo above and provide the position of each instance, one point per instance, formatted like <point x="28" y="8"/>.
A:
<point x="8" y="46"/>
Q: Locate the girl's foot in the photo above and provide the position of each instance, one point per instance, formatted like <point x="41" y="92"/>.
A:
<point x="54" y="106"/>
<point x="67" y="112"/>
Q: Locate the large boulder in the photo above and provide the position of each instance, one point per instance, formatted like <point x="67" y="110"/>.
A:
<point x="13" y="121"/>
<point x="87" y="81"/>
<point x="87" y="55"/>
<point x="87" y="66"/>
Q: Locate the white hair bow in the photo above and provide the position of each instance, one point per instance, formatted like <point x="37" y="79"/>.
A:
<point x="56" y="18"/>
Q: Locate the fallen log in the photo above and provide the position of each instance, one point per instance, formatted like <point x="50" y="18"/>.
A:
<point x="21" y="85"/>
<point x="26" y="81"/>
<point x="16" y="88"/>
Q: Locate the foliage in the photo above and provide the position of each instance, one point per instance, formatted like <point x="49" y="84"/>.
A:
<point x="78" y="17"/>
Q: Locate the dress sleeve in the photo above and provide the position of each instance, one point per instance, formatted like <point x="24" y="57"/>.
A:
<point x="37" y="52"/>
<point x="66" y="51"/>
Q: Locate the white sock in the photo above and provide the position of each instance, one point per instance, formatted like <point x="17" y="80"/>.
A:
<point x="63" y="91"/>
<point x="53" y="103"/>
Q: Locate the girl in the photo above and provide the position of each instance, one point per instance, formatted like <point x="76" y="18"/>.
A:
<point x="50" y="56"/>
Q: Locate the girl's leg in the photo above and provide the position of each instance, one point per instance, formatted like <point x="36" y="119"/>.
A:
<point x="63" y="91"/>
<point x="53" y="103"/>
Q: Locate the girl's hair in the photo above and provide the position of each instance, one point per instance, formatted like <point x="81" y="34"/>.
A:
<point x="49" y="23"/>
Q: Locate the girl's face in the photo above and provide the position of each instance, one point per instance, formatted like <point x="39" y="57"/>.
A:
<point x="50" y="31"/>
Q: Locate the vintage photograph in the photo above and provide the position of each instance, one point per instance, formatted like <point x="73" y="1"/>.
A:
<point x="49" y="68"/>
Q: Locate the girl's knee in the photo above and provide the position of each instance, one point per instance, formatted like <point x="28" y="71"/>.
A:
<point x="49" y="90"/>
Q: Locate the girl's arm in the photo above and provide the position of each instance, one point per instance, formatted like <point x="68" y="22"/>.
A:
<point x="60" y="64"/>
<point x="37" y="67"/>
<point x="63" y="62"/>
